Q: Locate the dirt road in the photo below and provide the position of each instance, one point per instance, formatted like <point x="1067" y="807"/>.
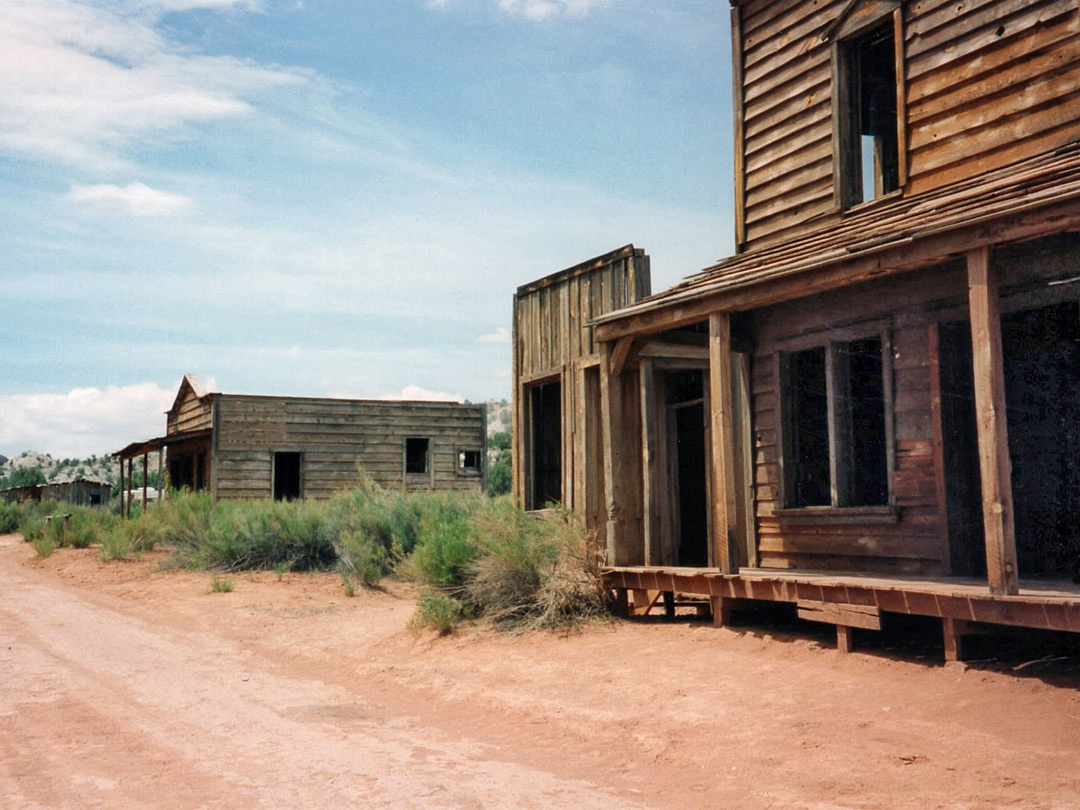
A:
<point x="125" y="686"/>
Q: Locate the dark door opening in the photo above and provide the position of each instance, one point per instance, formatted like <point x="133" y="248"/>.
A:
<point x="693" y="541"/>
<point x="182" y="472"/>
<point x="1041" y="350"/>
<point x="963" y="483"/>
<point x="545" y="409"/>
<point x="287" y="484"/>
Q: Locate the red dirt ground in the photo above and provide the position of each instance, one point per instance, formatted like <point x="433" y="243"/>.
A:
<point x="125" y="686"/>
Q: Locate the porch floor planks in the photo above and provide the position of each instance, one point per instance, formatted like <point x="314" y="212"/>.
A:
<point x="1047" y="605"/>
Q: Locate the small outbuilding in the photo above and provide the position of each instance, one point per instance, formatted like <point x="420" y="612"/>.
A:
<point x="78" y="490"/>
<point x="242" y="446"/>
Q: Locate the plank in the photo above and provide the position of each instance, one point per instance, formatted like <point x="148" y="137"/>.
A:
<point x="985" y="304"/>
<point x="722" y="441"/>
<point x="865" y="617"/>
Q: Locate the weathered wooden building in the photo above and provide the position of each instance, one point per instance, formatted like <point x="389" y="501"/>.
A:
<point x="874" y="406"/>
<point x="78" y="490"/>
<point x="239" y="446"/>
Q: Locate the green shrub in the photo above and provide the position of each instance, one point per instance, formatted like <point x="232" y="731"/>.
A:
<point x="44" y="546"/>
<point x="436" y="611"/>
<point x="446" y="541"/>
<point x="9" y="518"/>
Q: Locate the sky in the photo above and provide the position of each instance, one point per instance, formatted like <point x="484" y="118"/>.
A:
<point x="329" y="197"/>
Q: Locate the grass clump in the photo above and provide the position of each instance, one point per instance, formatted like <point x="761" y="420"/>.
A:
<point x="9" y="518"/>
<point x="446" y="541"/>
<point x="436" y="611"/>
<point x="221" y="585"/>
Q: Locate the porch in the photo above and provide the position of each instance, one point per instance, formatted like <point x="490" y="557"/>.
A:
<point x="850" y="600"/>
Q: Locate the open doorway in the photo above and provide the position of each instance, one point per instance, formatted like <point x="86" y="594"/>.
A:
<point x="1041" y="349"/>
<point x="287" y="478"/>
<point x="545" y="434"/>
<point x="686" y="402"/>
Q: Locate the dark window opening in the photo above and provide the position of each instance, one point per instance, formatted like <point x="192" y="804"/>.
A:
<point x="870" y="157"/>
<point x="808" y="429"/>
<point x="836" y="456"/>
<point x="416" y="455"/>
<point x="469" y="461"/>
<point x="182" y="472"/>
<point x="545" y="406"/>
<point x="287" y="484"/>
<point x="684" y="386"/>
<point x="93" y="498"/>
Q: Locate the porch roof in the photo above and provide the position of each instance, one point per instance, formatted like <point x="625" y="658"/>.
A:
<point x="1032" y="198"/>
<point x="136" y="449"/>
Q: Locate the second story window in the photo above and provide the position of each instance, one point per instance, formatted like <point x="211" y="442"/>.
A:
<point x="865" y="111"/>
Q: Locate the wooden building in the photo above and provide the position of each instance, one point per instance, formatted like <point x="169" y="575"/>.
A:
<point x="78" y="490"/>
<point x="239" y="446"/>
<point x="874" y="406"/>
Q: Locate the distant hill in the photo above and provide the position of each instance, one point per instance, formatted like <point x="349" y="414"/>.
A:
<point x="104" y="467"/>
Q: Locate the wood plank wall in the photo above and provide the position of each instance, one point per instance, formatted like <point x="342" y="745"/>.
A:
<point x="553" y="342"/>
<point x="988" y="82"/>
<point x="915" y="543"/>
<point x="335" y="436"/>
<point x="192" y="413"/>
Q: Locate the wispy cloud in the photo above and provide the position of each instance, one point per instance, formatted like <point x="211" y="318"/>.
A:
<point x="416" y="392"/>
<point x="500" y="335"/>
<point x="540" y="10"/>
<point x="136" y="199"/>
<point x="82" y="83"/>
<point x="84" y="421"/>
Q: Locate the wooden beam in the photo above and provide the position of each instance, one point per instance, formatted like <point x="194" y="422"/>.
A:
<point x="620" y="355"/>
<point x="611" y="414"/>
<point x="953" y="635"/>
<point x="721" y="442"/>
<point x="938" y="441"/>
<point x="649" y="465"/>
<point x="867" y="617"/>
<point x="721" y="611"/>
<point x="839" y="271"/>
<point x="989" y="372"/>
<point x="844" y="641"/>
<point x="145" y="470"/>
<point x="737" y="99"/>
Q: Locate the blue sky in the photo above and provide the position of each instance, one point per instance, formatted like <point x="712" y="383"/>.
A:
<point x="329" y="198"/>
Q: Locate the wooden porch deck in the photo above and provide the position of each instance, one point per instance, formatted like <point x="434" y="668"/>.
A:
<point x="854" y="600"/>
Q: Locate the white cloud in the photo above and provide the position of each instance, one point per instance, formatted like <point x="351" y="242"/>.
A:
<point x="84" y="421"/>
<point x="136" y="199"/>
<point x="82" y="82"/>
<point x="500" y="335"/>
<point x="539" y="10"/>
<point x="416" y="392"/>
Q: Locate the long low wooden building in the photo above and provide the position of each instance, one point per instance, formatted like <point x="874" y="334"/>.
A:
<point x="240" y="446"/>
<point x="874" y="406"/>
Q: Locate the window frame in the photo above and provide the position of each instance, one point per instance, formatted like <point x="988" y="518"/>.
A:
<point x="405" y="455"/>
<point x="832" y="341"/>
<point x="845" y="34"/>
<point x="467" y="471"/>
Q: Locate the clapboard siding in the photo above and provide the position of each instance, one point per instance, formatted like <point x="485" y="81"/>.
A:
<point x="336" y="437"/>
<point x="914" y="543"/>
<point x="987" y="83"/>
<point x="191" y="413"/>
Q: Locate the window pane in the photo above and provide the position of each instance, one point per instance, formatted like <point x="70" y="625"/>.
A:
<point x="869" y="480"/>
<point x="808" y="429"/>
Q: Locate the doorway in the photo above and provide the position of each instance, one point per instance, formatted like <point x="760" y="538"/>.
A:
<point x="287" y="476"/>
<point x="545" y="434"/>
<point x="686" y="402"/>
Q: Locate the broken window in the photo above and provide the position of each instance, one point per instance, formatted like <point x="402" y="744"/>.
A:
<point x="469" y="462"/>
<point x="416" y="455"/>
<point x="287" y="476"/>
<point x="836" y="443"/>
<point x="866" y="116"/>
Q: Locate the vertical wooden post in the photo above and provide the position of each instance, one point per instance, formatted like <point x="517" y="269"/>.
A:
<point x="648" y="462"/>
<point x="997" y="503"/>
<point x="844" y="643"/>
<point x="722" y="445"/>
<point x="121" y="487"/>
<point x="145" y="483"/>
<point x="131" y="483"/>
<point x="721" y="611"/>
<point x="611" y="410"/>
<point x="161" y="472"/>
<point x="953" y="633"/>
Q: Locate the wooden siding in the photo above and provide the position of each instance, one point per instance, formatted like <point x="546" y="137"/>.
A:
<point x="913" y="543"/>
<point x="987" y="83"/>
<point x="191" y="412"/>
<point x="787" y="116"/>
<point x="335" y="436"/>
<point x="553" y="342"/>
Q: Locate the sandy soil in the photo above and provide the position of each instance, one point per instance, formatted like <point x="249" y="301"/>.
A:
<point x="125" y="686"/>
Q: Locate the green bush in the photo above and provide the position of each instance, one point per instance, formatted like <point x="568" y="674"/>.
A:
<point x="9" y="518"/>
<point x="446" y="541"/>
<point x="436" y="611"/>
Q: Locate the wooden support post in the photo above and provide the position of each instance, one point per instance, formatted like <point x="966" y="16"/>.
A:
<point x="131" y="483"/>
<point x="121" y="487"/>
<point x="620" y="355"/>
<point x="669" y="604"/>
<point x="622" y="602"/>
<point x="649" y="462"/>
<point x="722" y="446"/>
<point x="997" y="503"/>
<point x="611" y="407"/>
<point x="953" y="633"/>
<point x="145" y="475"/>
<point x="721" y="611"/>
<point x="843" y="639"/>
<point x="161" y="471"/>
